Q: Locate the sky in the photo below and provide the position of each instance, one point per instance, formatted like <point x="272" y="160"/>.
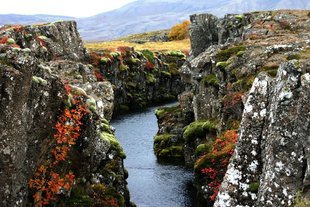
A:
<point x="74" y="8"/>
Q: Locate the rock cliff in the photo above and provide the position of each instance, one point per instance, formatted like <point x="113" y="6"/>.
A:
<point x="140" y="78"/>
<point x="247" y="76"/>
<point x="56" y="142"/>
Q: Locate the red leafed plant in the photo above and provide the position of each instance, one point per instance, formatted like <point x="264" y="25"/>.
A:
<point x="99" y="76"/>
<point x="4" y="40"/>
<point x="213" y="165"/>
<point x="50" y="179"/>
<point x="149" y="65"/>
<point x="41" y="41"/>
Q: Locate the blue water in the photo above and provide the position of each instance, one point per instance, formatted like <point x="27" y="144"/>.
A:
<point x="151" y="184"/>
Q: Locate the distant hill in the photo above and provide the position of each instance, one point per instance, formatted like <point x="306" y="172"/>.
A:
<point x="30" y="19"/>
<point x="148" y="15"/>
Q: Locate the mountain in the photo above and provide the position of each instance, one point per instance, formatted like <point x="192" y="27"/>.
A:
<point x="148" y="15"/>
<point x="30" y="19"/>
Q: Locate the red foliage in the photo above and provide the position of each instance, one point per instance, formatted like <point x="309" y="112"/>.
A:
<point x="222" y="150"/>
<point x="3" y="40"/>
<point x="47" y="183"/>
<point x="67" y="88"/>
<point x="41" y="41"/>
<point x="15" y="45"/>
<point x="18" y="28"/>
<point x="232" y="99"/>
<point x="111" y="203"/>
<point x="125" y="50"/>
<point x="99" y="76"/>
<point x="94" y="58"/>
<point x="149" y="65"/>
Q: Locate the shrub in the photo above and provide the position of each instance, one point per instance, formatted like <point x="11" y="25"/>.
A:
<point x="149" y="55"/>
<point x="212" y="166"/>
<point x="105" y="60"/>
<point x="10" y="41"/>
<point x="179" y="31"/>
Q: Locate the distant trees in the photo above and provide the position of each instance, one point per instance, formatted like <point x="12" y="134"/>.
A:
<point x="179" y="31"/>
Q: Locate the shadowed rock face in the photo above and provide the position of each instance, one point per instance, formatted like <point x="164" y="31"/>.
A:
<point x="33" y="72"/>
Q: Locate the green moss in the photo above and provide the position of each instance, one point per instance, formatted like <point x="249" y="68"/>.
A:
<point x="203" y="148"/>
<point x="240" y="53"/>
<point x="115" y="54"/>
<point x="162" y="137"/>
<point x="224" y="55"/>
<point x="115" y="145"/>
<point x="172" y="152"/>
<point x="105" y="60"/>
<point x="253" y="187"/>
<point x="166" y="74"/>
<point x="198" y="129"/>
<point x="221" y="64"/>
<point x="211" y="79"/>
<point x="131" y="84"/>
<point x="150" y="78"/>
<point x="10" y="41"/>
<point x="91" y="104"/>
<point x="239" y="17"/>
<point x="271" y="70"/>
<point x="39" y="80"/>
<point x="79" y="198"/>
<point x="305" y="54"/>
<point x="173" y="68"/>
<point x="176" y="53"/>
<point x="300" y="201"/>
<point x="161" y="112"/>
<point x="106" y="128"/>
<point x="293" y="56"/>
<point x="42" y="37"/>
<point x="123" y="67"/>
<point x="124" y="107"/>
<point x="104" y="192"/>
<point x="149" y="55"/>
<point x="133" y="61"/>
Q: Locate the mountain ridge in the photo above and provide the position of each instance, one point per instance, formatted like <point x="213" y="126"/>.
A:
<point x="143" y="15"/>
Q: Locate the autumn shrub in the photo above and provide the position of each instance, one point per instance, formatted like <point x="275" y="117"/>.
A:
<point x="179" y="31"/>
<point x="51" y="178"/>
<point x="213" y="164"/>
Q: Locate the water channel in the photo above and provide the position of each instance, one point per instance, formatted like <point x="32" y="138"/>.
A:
<point x="151" y="184"/>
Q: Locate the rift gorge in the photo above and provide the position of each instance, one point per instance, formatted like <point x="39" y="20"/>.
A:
<point x="225" y="124"/>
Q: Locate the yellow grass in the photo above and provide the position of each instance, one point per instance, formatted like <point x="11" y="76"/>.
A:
<point x="183" y="45"/>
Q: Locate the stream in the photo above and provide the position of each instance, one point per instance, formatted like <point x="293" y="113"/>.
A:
<point x="151" y="184"/>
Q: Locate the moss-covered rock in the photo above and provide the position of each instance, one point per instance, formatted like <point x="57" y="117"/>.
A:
<point x="198" y="129"/>
<point x="211" y="80"/>
<point x="175" y="152"/>
<point x="224" y="55"/>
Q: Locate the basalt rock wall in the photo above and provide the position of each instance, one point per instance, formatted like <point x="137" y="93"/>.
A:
<point x="43" y="70"/>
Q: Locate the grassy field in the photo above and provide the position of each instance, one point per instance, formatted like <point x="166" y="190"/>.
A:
<point x="183" y="45"/>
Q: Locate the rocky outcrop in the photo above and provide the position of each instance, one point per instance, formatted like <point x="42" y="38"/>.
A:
<point x="228" y="55"/>
<point x="43" y="79"/>
<point x="140" y="78"/>
<point x="271" y="153"/>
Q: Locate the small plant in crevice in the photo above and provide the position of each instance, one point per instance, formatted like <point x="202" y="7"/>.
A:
<point x="53" y="177"/>
<point x="213" y="164"/>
